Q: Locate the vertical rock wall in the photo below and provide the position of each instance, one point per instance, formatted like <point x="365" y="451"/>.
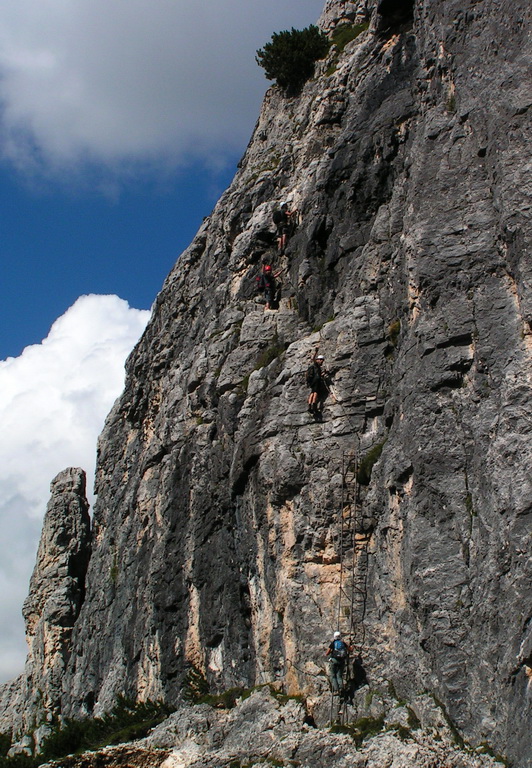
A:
<point x="217" y="528"/>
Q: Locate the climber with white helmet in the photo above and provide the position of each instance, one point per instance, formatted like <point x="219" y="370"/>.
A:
<point x="283" y="219"/>
<point x="338" y="654"/>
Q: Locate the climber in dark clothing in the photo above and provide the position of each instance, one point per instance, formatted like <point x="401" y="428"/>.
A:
<point x="282" y="218"/>
<point x="318" y="388"/>
<point x="267" y="283"/>
<point x="338" y="654"/>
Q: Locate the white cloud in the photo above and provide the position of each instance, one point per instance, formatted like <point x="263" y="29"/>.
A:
<point x="53" y="401"/>
<point x="117" y="81"/>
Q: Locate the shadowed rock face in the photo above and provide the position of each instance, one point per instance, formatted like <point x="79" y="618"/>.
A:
<point x="218" y="529"/>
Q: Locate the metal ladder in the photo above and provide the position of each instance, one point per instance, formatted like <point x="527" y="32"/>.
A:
<point x="353" y="552"/>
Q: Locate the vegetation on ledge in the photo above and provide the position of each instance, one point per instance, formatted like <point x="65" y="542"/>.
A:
<point x="290" y="56"/>
<point x="127" y="721"/>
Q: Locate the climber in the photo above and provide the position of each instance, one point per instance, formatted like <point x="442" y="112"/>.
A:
<point x="338" y="653"/>
<point x="283" y="219"/>
<point x="316" y="374"/>
<point x="267" y="283"/>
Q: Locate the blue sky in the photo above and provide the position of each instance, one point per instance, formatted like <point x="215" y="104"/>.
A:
<point x="57" y="244"/>
<point x="121" y="123"/>
<point x="112" y="148"/>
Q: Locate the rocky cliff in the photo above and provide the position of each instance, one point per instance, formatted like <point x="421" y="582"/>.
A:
<point x="266" y="729"/>
<point x="233" y="531"/>
<point x="57" y="589"/>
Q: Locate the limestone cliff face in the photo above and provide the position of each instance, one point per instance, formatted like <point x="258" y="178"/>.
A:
<point x="57" y="590"/>
<point x="234" y="532"/>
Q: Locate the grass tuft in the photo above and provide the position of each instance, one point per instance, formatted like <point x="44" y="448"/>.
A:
<point x="366" y="464"/>
<point x="361" y="729"/>
<point x="345" y="33"/>
<point x="394" y="329"/>
<point x="269" y="354"/>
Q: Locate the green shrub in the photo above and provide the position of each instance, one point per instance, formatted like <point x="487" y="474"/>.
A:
<point x="127" y="721"/>
<point x="469" y="504"/>
<point x="290" y="57"/>
<point x="226" y="699"/>
<point x="266" y="357"/>
<point x="269" y="354"/>
<point x="450" y="105"/>
<point x="19" y="761"/>
<point x="5" y="743"/>
<point x="195" y="686"/>
<point x="341" y="37"/>
<point x="347" y="32"/>
<point x="362" y="729"/>
<point x="195" y="689"/>
<point x="365" y="466"/>
<point x="394" y="329"/>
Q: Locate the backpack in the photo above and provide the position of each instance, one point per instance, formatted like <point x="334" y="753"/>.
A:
<point x="339" y="650"/>
<point x="310" y="375"/>
<point x="279" y="217"/>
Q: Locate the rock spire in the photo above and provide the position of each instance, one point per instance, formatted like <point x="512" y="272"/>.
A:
<point x="57" y="589"/>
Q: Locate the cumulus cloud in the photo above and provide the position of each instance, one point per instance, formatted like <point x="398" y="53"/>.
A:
<point x="53" y="401"/>
<point x="133" y="80"/>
